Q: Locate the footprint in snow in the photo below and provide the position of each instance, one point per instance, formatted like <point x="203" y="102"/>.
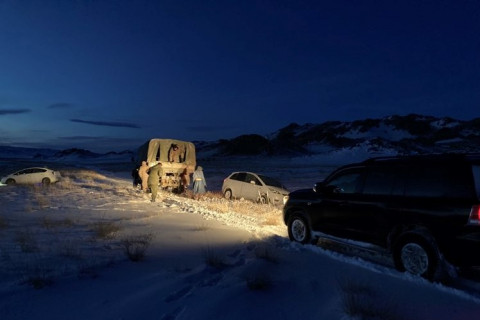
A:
<point x="179" y="294"/>
<point x="174" y="315"/>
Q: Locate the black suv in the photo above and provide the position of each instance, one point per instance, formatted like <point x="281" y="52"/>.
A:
<point x="425" y="210"/>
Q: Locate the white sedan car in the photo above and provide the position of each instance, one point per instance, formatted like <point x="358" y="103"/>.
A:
<point x="35" y="175"/>
<point x="255" y="187"/>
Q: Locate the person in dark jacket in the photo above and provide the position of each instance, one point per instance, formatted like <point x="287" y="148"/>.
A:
<point x="136" y="177"/>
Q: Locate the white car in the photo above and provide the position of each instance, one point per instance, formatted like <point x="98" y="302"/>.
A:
<point x="34" y="175"/>
<point x="255" y="187"/>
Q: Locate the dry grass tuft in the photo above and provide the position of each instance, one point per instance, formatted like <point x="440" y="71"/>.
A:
<point x="269" y="214"/>
<point x="135" y="247"/>
<point x="39" y="278"/>
<point x="213" y="259"/>
<point x="201" y="227"/>
<point x="70" y="249"/>
<point x="82" y="174"/>
<point x="361" y="301"/>
<point x="3" y="223"/>
<point x="105" y="229"/>
<point x="26" y="241"/>
<point x="258" y="282"/>
<point x="49" y="223"/>
<point x="266" y="253"/>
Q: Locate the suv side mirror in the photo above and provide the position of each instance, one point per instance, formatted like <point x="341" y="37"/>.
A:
<point x="318" y="187"/>
<point x="321" y="188"/>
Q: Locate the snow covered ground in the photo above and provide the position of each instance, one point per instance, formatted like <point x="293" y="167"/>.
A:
<point x="64" y="255"/>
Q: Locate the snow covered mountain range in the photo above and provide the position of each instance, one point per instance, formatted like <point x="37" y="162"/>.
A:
<point x="410" y="134"/>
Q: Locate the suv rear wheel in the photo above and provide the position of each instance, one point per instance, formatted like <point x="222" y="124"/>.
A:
<point x="417" y="256"/>
<point x="298" y="229"/>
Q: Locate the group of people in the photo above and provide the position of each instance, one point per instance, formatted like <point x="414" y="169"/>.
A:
<point x="149" y="178"/>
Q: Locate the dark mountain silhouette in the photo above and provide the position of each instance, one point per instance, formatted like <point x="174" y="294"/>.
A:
<point x="408" y="134"/>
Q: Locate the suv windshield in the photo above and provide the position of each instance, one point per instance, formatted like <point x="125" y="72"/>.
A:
<point x="271" y="182"/>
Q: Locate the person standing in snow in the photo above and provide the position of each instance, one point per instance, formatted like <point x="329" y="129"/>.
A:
<point x="199" y="183"/>
<point x="143" y="173"/>
<point x="154" y="179"/>
<point x="136" y="177"/>
<point x="185" y="176"/>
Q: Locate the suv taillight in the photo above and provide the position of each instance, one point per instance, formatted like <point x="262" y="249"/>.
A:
<point x="474" y="215"/>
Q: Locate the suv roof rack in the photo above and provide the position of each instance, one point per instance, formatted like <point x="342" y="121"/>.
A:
<point x="428" y="156"/>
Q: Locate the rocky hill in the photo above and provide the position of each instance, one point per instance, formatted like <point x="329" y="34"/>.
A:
<point x="396" y="134"/>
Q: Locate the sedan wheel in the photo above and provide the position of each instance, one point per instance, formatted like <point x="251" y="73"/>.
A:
<point x="45" y="181"/>
<point x="10" y="182"/>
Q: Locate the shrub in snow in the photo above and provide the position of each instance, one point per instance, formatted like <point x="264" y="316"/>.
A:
<point x="361" y="301"/>
<point x="213" y="259"/>
<point x="105" y="229"/>
<point x="135" y="247"/>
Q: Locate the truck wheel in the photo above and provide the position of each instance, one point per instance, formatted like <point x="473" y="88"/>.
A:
<point x="228" y="194"/>
<point x="298" y="229"/>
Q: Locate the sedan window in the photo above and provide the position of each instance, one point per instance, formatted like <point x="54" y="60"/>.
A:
<point x="271" y="182"/>
<point x="251" y="178"/>
<point x="240" y="176"/>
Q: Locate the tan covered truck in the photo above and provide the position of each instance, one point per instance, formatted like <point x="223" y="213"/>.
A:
<point x="177" y="158"/>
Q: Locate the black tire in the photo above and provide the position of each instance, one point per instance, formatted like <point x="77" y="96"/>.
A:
<point x="299" y="230"/>
<point x="417" y="255"/>
<point x="10" y="182"/>
<point x="228" y="194"/>
<point x="45" y="181"/>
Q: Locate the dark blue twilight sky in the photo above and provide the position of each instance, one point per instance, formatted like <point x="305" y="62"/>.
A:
<point x="108" y="75"/>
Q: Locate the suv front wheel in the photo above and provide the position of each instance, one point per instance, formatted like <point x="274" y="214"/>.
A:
<point x="298" y="229"/>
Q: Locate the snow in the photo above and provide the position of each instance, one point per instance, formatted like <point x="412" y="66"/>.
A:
<point x="382" y="131"/>
<point x="207" y="259"/>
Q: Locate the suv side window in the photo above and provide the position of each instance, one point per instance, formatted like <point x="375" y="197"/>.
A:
<point x="438" y="181"/>
<point x="347" y="181"/>
<point x="384" y="180"/>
